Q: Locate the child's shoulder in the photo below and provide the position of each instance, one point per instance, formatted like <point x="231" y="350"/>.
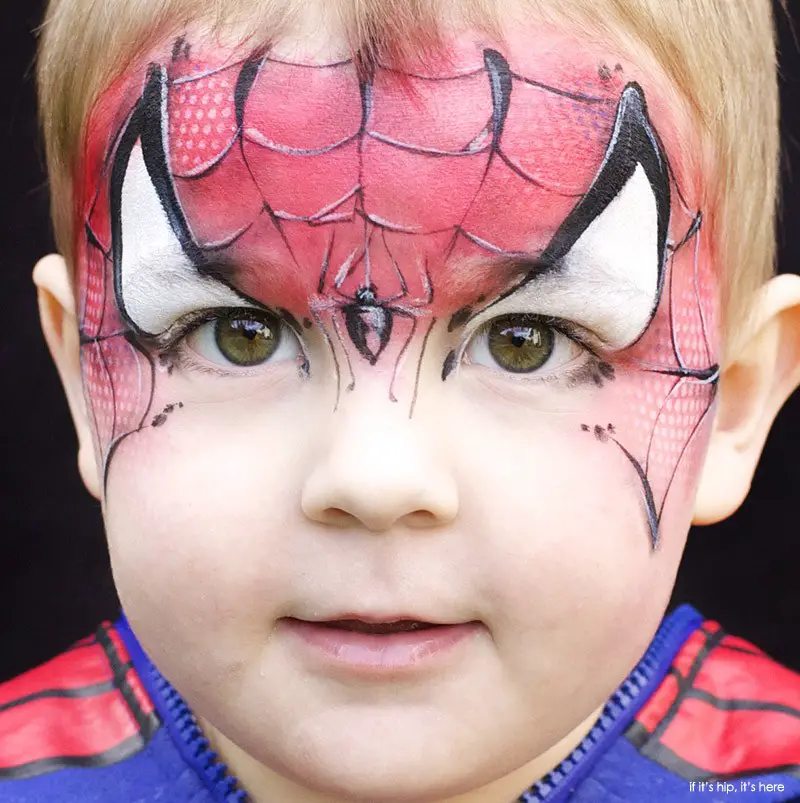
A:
<point x="704" y="715"/>
<point x="84" y="708"/>
<point x="723" y="721"/>
<point x="82" y="727"/>
<point x="723" y="709"/>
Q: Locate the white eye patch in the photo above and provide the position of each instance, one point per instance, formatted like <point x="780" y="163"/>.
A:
<point x="157" y="281"/>
<point x="604" y="267"/>
<point x="608" y="281"/>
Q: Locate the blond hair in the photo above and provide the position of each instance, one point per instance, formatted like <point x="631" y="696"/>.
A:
<point x="720" y="56"/>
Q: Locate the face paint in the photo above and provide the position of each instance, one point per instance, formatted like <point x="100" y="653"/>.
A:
<point x="380" y="211"/>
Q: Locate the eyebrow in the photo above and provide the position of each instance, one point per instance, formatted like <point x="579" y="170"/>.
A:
<point x="515" y="271"/>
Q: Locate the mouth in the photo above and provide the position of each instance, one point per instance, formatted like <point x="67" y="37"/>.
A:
<point x="380" y="647"/>
<point x="379" y="628"/>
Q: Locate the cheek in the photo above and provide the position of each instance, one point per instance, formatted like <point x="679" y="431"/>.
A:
<point x="566" y="565"/>
<point x="564" y="546"/>
<point x="197" y="535"/>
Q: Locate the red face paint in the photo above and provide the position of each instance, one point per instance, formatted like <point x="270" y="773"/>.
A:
<point x="377" y="209"/>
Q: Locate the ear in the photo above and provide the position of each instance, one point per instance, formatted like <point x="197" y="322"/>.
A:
<point x="758" y="379"/>
<point x="60" y="328"/>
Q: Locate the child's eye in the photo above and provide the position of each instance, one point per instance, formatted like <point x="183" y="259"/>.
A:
<point x="243" y="338"/>
<point x="521" y="344"/>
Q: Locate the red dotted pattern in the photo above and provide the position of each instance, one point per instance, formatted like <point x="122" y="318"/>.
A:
<point x="92" y="291"/>
<point x="202" y="122"/>
<point x="118" y="381"/>
<point x="662" y="415"/>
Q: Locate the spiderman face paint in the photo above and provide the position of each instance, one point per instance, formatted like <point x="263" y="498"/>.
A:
<point x="393" y="227"/>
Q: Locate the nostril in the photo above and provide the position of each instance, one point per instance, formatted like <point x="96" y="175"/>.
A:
<point x="337" y="517"/>
<point x="421" y="519"/>
<point x="416" y="520"/>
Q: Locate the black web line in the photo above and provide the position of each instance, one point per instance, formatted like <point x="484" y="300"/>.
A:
<point x="105" y="172"/>
<point x="433" y="78"/>
<point x="116" y="442"/>
<point x="493" y="128"/>
<point x="649" y="500"/>
<point x="205" y="170"/>
<point x="337" y="370"/>
<point x="700" y="311"/>
<point x="329" y="66"/>
<point x="399" y="360"/>
<point x="423" y="150"/>
<point x="338" y="331"/>
<point x="415" y="397"/>
<point x="291" y="150"/>
<point x="578" y="97"/>
<point x="113" y="390"/>
<point x="705" y="376"/>
<point x="87" y="340"/>
<point x="103" y="284"/>
<point x="93" y="239"/>
<point x="661" y="409"/>
<point x="244" y="86"/>
<point x="92" y="404"/>
<point x="190" y="79"/>
<point x="684" y="450"/>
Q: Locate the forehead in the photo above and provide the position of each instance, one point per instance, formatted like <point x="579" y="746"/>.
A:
<point x="279" y="158"/>
<point x="411" y="151"/>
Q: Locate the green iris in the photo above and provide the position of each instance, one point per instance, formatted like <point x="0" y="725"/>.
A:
<point x="520" y="344"/>
<point x="247" y="341"/>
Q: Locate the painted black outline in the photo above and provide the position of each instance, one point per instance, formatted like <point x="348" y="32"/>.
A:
<point x="148" y="126"/>
<point x="639" y="736"/>
<point x="650" y="744"/>
<point x="633" y="142"/>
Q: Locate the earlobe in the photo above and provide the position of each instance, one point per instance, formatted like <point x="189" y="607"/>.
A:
<point x="60" y="329"/>
<point x="758" y="379"/>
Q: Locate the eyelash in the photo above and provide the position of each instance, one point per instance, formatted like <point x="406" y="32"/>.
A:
<point x="171" y="347"/>
<point x="565" y="328"/>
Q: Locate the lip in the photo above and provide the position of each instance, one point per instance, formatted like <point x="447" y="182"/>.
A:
<point x="378" y="655"/>
<point x="380" y="618"/>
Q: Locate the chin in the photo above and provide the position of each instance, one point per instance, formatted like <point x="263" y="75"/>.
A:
<point x="377" y="759"/>
<point x="393" y="781"/>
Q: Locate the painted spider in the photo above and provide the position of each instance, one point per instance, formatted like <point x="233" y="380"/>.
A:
<point x="368" y="317"/>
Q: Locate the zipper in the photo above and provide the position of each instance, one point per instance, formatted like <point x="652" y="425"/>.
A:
<point x="619" y="710"/>
<point x="215" y="772"/>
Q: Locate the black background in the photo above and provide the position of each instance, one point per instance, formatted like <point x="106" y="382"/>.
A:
<point x="55" y="582"/>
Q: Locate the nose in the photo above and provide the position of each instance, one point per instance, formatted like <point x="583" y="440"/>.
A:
<point x="376" y="468"/>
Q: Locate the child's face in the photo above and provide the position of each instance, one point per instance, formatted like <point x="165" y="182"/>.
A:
<point x="435" y="346"/>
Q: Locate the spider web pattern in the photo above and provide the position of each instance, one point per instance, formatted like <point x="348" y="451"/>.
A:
<point x="237" y="138"/>
<point x="119" y="376"/>
<point x="671" y="392"/>
<point x="235" y="127"/>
